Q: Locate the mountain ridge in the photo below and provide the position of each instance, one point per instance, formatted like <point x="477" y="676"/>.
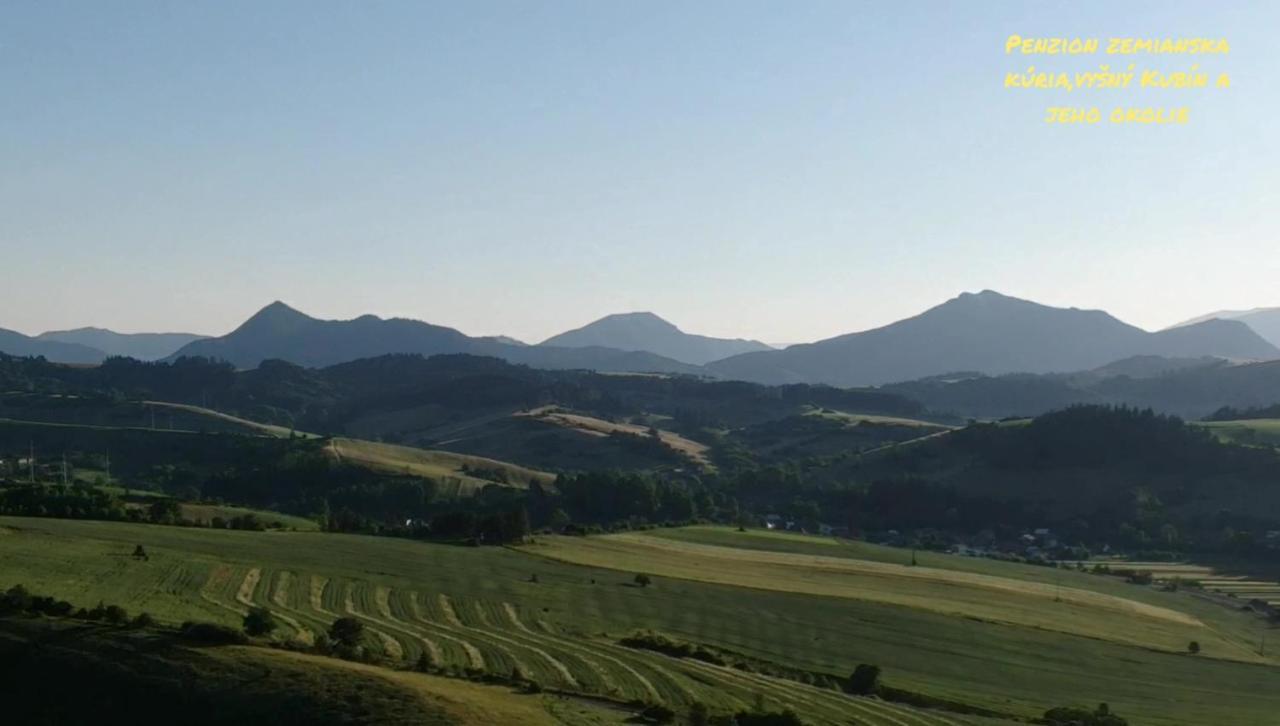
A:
<point x="645" y="331"/>
<point x="281" y="332"/>
<point x="142" y="346"/>
<point x="990" y="333"/>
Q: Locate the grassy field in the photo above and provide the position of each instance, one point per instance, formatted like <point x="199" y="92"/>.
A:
<point x="692" y="450"/>
<point x="1253" y="432"/>
<point x="857" y="418"/>
<point x="448" y="469"/>
<point x="482" y="608"/>
<point x="204" y="514"/>
<point x="237" y="684"/>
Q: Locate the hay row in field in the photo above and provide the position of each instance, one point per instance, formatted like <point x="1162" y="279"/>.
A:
<point x="492" y="635"/>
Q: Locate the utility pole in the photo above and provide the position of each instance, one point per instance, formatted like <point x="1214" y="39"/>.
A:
<point x="64" y="468"/>
<point x="31" y="463"/>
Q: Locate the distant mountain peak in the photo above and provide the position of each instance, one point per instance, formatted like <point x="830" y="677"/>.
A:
<point x="277" y="312"/>
<point x="646" y="331"/>
<point x="991" y="333"/>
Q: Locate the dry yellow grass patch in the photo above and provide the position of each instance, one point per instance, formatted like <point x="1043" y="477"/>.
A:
<point x="443" y="466"/>
<point x="591" y="426"/>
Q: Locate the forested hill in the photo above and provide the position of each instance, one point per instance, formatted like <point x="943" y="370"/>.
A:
<point x="437" y="389"/>
<point x="1086" y="470"/>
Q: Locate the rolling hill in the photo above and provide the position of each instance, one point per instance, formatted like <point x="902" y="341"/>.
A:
<point x="17" y="344"/>
<point x="1191" y="388"/>
<point x="648" y="332"/>
<point x="281" y="332"/>
<point x="142" y="346"/>
<point x="988" y="333"/>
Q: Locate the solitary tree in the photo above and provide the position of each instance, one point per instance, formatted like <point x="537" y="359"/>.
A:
<point x="259" y="622"/>
<point x="643" y="580"/>
<point x="865" y="680"/>
<point x="139" y="553"/>
<point x="346" y="631"/>
<point x="1193" y="647"/>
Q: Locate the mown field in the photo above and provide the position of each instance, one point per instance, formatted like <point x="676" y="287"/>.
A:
<point x="559" y="621"/>
<point x="457" y="475"/>
<point x="159" y="678"/>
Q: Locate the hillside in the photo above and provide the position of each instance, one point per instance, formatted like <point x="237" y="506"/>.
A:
<point x="648" y="332"/>
<point x="142" y="346"/>
<point x="991" y="334"/>
<point x="1264" y="321"/>
<point x="1090" y="473"/>
<point x="1192" y="388"/>
<point x="152" y="676"/>
<point x="781" y="620"/>
<point x="17" y="344"/>
<point x="282" y="333"/>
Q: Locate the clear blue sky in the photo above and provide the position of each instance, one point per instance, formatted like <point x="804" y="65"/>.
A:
<point x="782" y="171"/>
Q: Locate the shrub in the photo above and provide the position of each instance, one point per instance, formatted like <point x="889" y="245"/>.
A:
<point x="144" y="620"/>
<point x="658" y="713"/>
<point x="865" y="680"/>
<point x="259" y="622"/>
<point x="764" y="718"/>
<point x="346" y="631"/>
<point x="643" y="580"/>
<point x="211" y="633"/>
<point x="1072" y="716"/>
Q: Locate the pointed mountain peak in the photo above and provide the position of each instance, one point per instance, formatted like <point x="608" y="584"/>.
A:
<point x="276" y="316"/>
<point x="642" y="318"/>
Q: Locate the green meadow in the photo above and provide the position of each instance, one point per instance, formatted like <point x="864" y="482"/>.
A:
<point x="555" y="609"/>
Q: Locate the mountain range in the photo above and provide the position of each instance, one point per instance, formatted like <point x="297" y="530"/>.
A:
<point x="992" y="334"/>
<point x="281" y="332"/>
<point x="15" y="343"/>
<point x="984" y="333"/>
<point x="141" y="346"/>
<point x="646" y="331"/>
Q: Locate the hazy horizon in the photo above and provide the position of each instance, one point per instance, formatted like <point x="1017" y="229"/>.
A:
<point x="507" y="169"/>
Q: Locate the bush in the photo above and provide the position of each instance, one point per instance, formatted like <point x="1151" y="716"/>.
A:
<point x="660" y="643"/>
<point x="865" y="680"/>
<point x="259" y="622"/>
<point x="643" y="580"/>
<point x="762" y="718"/>
<point x="658" y="713"/>
<point x="211" y="633"/>
<point x="1072" y="716"/>
<point x="15" y="600"/>
<point x="346" y="631"/>
<point x="144" y="620"/>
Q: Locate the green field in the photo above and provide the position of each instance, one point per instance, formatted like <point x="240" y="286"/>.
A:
<point x="477" y="607"/>
<point x="238" y="684"/>
<point x="455" y="474"/>
<point x="1249" y="432"/>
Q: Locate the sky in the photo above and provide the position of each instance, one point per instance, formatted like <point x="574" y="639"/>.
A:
<point x="772" y="170"/>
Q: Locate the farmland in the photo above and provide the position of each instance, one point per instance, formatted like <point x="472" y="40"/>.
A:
<point x="456" y="474"/>
<point x="232" y="685"/>
<point x="1248" y="432"/>
<point x="497" y="609"/>
<point x="692" y="450"/>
